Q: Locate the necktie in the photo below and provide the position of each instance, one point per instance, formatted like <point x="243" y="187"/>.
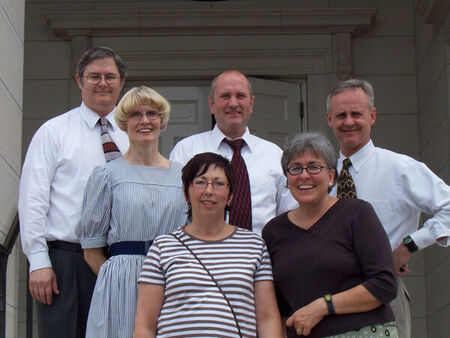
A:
<point x="241" y="204"/>
<point x="109" y="147"/>
<point x="346" y="186"/>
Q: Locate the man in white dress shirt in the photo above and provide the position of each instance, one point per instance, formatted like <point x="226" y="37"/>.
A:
<point x="231" y="102"/>
<point x="59" y="161"/>
<point x="398" y="187"/>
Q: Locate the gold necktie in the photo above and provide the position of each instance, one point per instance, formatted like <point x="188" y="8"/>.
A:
<point x="346" y="186"/>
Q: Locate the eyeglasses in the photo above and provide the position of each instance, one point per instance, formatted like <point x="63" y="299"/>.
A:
<point x="150" y="115"/>
<point x="312" y="169"/>
<point x="200" y="183"/>
<point x="97" y="78"/>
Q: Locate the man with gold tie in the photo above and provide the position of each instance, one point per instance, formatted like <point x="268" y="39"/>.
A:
<point x="398" y="187"/>
<point x="59" y="161"/>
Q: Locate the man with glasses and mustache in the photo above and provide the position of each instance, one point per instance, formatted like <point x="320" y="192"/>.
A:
<point x="59" y="161"/>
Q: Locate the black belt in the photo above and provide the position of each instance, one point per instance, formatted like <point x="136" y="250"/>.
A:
<point x="75" y="247"/>
<point x="130" y="248"/>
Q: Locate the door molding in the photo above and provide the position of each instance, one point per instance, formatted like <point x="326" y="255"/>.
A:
<point x="153" y="20"/>
<point x="178" y="19"/>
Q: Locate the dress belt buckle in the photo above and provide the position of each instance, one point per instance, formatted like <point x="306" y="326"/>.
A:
<point x="147" y="245"/>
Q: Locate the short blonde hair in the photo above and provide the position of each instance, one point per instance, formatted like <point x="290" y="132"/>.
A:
<point x="137" y="97"/>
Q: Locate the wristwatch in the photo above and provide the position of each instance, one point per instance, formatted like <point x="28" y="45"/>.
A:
<point x="409" y="243"/>
<point x="329" y="302"/>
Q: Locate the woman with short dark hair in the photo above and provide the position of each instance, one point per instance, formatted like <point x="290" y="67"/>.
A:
<point x="210" y="278"/>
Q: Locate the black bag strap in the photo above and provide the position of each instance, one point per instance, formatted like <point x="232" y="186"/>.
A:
<point x="214" y="280"/>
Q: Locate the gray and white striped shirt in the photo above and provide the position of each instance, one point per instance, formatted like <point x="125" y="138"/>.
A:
<point x="193" y="305"/>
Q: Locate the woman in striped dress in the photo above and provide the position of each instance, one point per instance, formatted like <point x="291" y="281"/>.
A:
<point x="128" y="202"/>
<point x="209" y="278"/>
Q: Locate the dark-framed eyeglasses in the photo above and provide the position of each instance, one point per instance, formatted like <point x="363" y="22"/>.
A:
<point x="312" y="169"/>
<point x="200" y="183"/>
<point x="150" y="115"/>
<point x="95" y="78"/>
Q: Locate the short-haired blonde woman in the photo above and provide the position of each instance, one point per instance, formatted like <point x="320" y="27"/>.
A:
<point x="128" y="202"/>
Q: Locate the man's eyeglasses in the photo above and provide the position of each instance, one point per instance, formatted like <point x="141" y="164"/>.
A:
<point x="150" y="115"/>
<point x="312" y="169"/>
<point x="202" y="184"/>
<point x="97" y="78"/>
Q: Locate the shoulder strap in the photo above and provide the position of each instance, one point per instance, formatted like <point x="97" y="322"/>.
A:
<point x="213" y="279"/>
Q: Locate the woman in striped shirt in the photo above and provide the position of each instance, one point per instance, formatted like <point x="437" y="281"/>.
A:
<point x="210" y="278"/>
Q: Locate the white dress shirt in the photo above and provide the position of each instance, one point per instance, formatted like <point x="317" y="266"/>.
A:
<point x="269" y="194"/>
<point x="399" y="188"/>
<point x="59" y="161"/>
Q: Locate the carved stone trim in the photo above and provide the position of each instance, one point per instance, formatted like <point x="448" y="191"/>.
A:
<point x="147" y="63"/>
<point x="78" y="44"/>
<point x="343" y="55"/>
<point x="211" y="21"/>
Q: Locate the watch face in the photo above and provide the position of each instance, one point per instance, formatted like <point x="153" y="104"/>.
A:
<point x="409" y="243"/>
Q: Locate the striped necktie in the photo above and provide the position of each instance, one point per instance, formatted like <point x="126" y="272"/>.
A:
<point x="346" y="186"/>
<point x="241" y="204"/>
<point x="109" y="147"/>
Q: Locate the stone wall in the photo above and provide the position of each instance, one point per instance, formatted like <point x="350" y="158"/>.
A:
<point x="11" y="75"/>
<point x="432" y="25"/>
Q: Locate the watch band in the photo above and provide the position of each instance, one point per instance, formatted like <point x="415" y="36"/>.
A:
<point x="329" y="302"/>
<point x="409" y="243"/>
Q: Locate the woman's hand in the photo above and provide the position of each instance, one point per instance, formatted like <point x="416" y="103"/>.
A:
<point x="304" y="319"/>
<point x="95" y="257"/>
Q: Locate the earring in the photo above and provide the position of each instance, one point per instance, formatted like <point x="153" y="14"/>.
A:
<point x="330" y="184"/>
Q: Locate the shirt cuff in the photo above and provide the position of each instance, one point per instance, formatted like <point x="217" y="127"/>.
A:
<point x="431" y="233"/>
<point x="93" y="242"/>
<point x="424" y="238"/>
<point x="39" y="260"/>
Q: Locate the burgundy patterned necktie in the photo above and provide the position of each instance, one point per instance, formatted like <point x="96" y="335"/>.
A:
<point x="109" y="147"/>
<point x="241" y="204"/>
<point x="346" y="186"/>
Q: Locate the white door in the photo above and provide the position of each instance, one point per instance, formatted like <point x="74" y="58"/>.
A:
<point x="275" y="116"/>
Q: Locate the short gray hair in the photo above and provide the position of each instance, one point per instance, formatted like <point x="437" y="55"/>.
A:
<point x="213" y="86"/>
<point x="314" y="142"/>
<point x="353" y="84"/>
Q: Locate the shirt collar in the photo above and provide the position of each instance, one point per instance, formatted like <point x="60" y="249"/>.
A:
<point x="360" y="157"/>
<point x="91" y="118"/>
<point x="218" y="136"/>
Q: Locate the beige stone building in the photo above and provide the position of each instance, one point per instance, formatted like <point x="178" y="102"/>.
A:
<point x="294" y="50"/>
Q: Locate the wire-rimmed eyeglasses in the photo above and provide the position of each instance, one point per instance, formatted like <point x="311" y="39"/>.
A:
<point x="95" y="78"/>
<point x="137" y="115"/>
<point x="202" y="184"/>
<point x="312" y="169"/>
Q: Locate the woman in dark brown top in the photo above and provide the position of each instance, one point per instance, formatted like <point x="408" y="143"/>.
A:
<point x="331" y="258"/>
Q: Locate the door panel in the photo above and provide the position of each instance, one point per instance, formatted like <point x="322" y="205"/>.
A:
<point x="276" y="114"/>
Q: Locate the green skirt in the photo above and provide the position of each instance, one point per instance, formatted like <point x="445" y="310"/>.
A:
<point x="373" y="331"/>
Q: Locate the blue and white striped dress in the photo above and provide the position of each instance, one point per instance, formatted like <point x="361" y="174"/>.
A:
<point x="193" y="305"/>
<point x="126" y="202"/>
